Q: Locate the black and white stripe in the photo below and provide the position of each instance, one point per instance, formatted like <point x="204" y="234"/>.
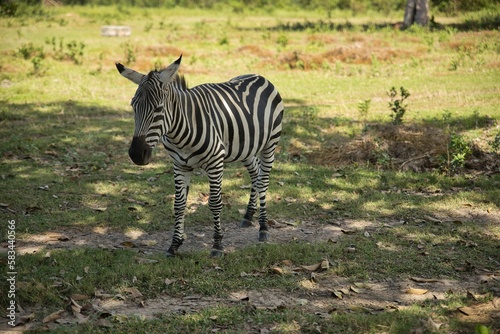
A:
<point x="204" y="127"/>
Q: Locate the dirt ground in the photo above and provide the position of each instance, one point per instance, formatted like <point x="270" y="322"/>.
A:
<point x="322" y="294"/>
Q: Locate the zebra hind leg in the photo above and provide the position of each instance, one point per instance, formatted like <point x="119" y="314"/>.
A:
<point x="215" y="204"/>
<point x="252" y="165"/>
<point x="266" y="164"/>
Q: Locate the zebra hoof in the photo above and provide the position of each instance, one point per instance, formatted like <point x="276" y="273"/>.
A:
<point x="246" y="223"/>
<point x="216" y="253"/>
<point x="170" y="253"/>
<point x="263" y="236"/>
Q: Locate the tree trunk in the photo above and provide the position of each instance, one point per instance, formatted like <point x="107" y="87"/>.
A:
<point x="416" y="11"/>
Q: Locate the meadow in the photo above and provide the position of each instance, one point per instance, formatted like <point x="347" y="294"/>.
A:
<point x="384" y="200"/>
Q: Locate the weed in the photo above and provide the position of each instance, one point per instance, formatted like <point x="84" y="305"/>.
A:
<point x="98" y="70"/>
<point x="457" y="152"/>
<point x="397" y="106"/>
<point x="224" y="41"/>
<point x="57" y="48"/>
<point x="129" y="53"/>
<point x="38" y="68"/>
<point x="446" y="117"/>
<point x="148" y="27"/>
<point x="75" y="51"/>
<point x="28" y="51"/>
<point x="282" y="40"/>
<point x="495" y="143"/>
<point x="363" y="108"/>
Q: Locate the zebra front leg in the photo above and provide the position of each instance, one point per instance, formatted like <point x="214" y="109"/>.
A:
<point x="252" y="165"/>
<point x="215" y="204"/>
<point x="182" y="178"/>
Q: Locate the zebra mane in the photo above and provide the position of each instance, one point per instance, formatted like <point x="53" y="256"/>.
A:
<point x="180" y="82"/>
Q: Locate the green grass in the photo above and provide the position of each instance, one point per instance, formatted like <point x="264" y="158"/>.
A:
<point x="66" y="128"/>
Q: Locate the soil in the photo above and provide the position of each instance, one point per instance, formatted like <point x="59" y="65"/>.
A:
<point x="321" y="294"/>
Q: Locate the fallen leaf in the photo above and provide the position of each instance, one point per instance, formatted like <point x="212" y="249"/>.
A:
<point x="127" y="244"/>
<point x="355" y="289"/>
<point x="415" y="291"/>
<point x="99" y="294"/>
<point x="149" y="243"/>
<point x="432" y="219"/>
<point x="432" y="325"/>
<point x="359" y="309"/>
<point x="362" y="285"/>
<point x="337" y="294"/>
<point x="312" y="267"/>
<point x="466" y="310"/>
<point x="78" y="297"/>
<point x="301" y="301"/>
<point x="134" y="292"/>
<point x="367" y="234"/>
<point x="169" y="281"/>
<point x="104" y="323"/>
<point x="63" y="237"/>
<point x="277" y="270"/>
<point x="344" y="291"/>
<point x="424" y="280"/>
<point x="23" y="319"/>
<point x="348" y="231"/>
<point x="120" y="318"/>
<point x="239" y="296"/>
<point x="53" y="316"/>
<point x="350" y="249"/>
<point x="75" y="307"/>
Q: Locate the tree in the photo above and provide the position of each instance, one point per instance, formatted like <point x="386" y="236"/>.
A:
<point x="416" y="11"/>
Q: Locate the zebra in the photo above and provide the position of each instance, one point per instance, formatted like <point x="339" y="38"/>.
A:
<point x="205" y="127"/>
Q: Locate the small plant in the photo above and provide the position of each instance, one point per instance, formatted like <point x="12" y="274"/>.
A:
<point x="310" y="113"/>
<point x="224" y="41"/>
<point x="457" y="152"/>
<point x="148" y="27"/>
<point x="446" y="117"/>
<point x="129" y="51"/>
<point x="75" y="51"/>
<point x="363" y="108"/>
<point x="28" y="51"/>
<point x="397" y="106"/>
<point x="495" y="143"/>
<point x="38" y="68"/>
<point x="282" y="40"/>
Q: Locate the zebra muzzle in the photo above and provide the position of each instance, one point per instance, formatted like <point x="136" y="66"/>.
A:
<point x="140" y="151"/>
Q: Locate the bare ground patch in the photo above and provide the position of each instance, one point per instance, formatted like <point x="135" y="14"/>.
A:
<point x="321" y="293"/>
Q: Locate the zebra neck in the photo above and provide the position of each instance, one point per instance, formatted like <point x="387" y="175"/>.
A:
<point x="180" y="115"/>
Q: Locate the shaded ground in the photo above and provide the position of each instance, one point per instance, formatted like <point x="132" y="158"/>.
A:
<point x="321" y="292"/>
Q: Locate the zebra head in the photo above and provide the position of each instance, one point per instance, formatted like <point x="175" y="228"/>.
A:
<point x="149" y="105"/>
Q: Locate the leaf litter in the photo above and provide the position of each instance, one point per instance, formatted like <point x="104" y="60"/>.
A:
<point x="321" y="294"/>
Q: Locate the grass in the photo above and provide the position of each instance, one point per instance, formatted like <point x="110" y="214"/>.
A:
<point x="66" y="128"/>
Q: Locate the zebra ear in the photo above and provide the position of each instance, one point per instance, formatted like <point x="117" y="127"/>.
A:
<point x="129" y="73"/>
<point x="168" y="74"/>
